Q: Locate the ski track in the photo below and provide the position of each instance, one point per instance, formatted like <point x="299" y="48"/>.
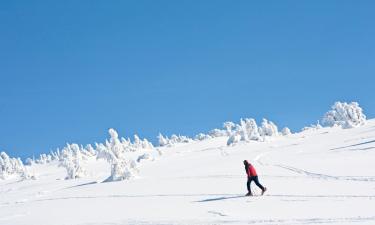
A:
<point x="217" y="213"/>
<point x="325" y="176"/>
<point x="354" y="145"/>
<point x="296" y="221"/>
<point x="216" y="197"/>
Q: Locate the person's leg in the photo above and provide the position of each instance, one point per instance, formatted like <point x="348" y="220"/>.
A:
<point x="248" y="186"/>
<point x="256" y="180"/>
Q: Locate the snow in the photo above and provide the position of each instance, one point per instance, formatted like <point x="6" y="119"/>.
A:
<point x="317" y="176"/>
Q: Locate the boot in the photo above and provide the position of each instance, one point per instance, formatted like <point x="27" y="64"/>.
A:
<point x="264" y="190"/>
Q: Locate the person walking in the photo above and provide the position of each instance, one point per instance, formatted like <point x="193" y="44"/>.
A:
<point x="252" y="176"/>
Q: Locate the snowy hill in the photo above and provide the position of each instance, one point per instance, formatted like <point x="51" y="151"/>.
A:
<point x="318" y="176"/>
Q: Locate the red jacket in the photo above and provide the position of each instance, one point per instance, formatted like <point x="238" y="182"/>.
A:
<point x="251" y="172"/>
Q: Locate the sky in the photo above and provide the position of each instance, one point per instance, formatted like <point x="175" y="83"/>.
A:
<point x="70" y="70"/>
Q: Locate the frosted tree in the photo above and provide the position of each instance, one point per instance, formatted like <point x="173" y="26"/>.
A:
<point x="344" y="115"/>
<point x="233" y="139"/>
<point x="268" y="128"/>
<point x="174" y="139"/>
<point x="72" y="160"/>
<point x="89" y="151"/>
<point x="145" y="144"/>
<point x="248" y="130"/>
<point x="163" y="141"/>
<point x="217" y="133"/>
<point x="201" y="137"/>
<point x="137" y="141"/>
<point x="252" y="129"/>
<point x="55" y="155"/>
<point x="115" y="153"/>
<point x="44" y="159"/>
<point x="286" y="131"/>
<point x="184" y="139"/>
<point x="242" y="131"/>
<point x="229" y="127"/>
<point x="11" y="167"/>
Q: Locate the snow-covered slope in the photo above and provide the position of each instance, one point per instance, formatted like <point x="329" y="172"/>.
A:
<point x="323" y="176"/>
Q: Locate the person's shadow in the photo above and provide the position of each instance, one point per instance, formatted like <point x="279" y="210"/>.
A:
<point x="221" y="198"/>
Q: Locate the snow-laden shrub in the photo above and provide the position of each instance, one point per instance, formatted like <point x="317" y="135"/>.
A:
<point x="248" y="130"/>
<point x="29" y="161"/>
<point x="344" y="115"/>
<point x="136" y="145"/>
<point x="201" y="137"/>
<point x="312" y="127"/>
<point x="88" y="151"/>
<point x="233" y="139"/>
<point x="44" y="159"/>
<point x="12" y="166"/>
<point x="229" y="126"/>
<point x="217" y="133"/>
<point x="163" y="141"/>
<point x="286" y="131"/>
<point x="141" y="144"/>
<point x="268" y="128"/>
<point x="72" y="160"/>
<point x="174" y="139"/>
<point x="180" y="139"/>
<point x="114" y="152"/>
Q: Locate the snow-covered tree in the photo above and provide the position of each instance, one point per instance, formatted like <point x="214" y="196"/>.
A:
<point x="174" y="139"/>
<point x="217" y="133"/>
<point x="229" y="127"/>
<point x="344" y="115"/>
<point x="72" y="160"/>
<point x="44" y="159"/>
<point x="115" y="153"/>
<point x="12" y="166"/>
<point x="248" y="130"/>
<point x="312" y="127"/>
<point x="268" y="128"/>
<point x="201" y="137"/>
<point x="233" y="139"/>
<point x="286" y="131"/>
<point x="252" y="129"/>
<point x="163" y="141"/>
<point x="89" y="151"/>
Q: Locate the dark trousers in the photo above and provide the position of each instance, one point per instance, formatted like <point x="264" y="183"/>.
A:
<point x="256" y="180"/>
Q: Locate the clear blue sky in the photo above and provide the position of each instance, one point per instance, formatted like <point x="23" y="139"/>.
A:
<point x="69" y="70"/>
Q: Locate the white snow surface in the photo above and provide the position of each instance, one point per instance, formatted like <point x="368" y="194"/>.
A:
<point x="321" y="176"/>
